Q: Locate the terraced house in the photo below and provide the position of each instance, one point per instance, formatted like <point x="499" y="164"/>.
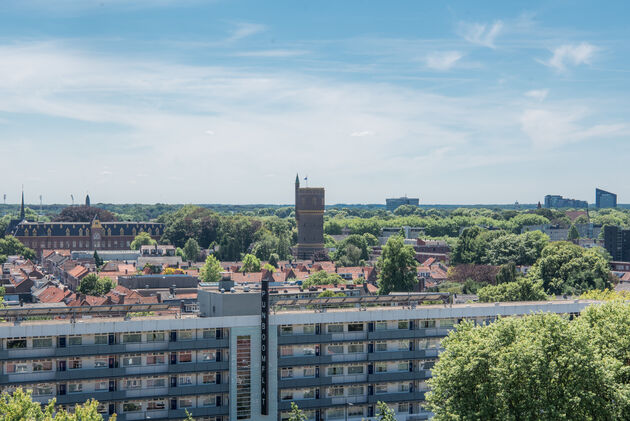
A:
<point x="243" y="357"/>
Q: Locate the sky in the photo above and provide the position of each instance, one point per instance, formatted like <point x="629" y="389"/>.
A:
<point x="186" y="101"/>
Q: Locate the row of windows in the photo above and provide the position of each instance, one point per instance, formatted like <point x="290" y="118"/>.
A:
<point x="379" y="325"/>
<point x="352" y="390"/>
<point x="359" y="347"/>
<point x="356" y="369"/>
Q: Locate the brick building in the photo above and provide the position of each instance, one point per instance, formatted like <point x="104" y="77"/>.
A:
<point x="309" y="214"/>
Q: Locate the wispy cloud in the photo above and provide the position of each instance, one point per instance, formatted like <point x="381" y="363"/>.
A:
<point x="362" y="133"/>
<point x="272" y="53"/>
<point x="537" y="94"/>
<point x="481" y="33"/>
<point x="443" y="60"/>
<point x="244" y="30"/>
<point x="570" y="55"/>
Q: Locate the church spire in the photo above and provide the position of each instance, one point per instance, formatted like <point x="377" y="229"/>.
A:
<point x="297" y="180"/>
<point x="22" y="213"/>
<point x="87" y="200"/>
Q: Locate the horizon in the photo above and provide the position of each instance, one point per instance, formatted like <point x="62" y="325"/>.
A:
<point x="191" y="101"/>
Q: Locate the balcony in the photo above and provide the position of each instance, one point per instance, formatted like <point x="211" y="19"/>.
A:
<point x="397" y="397"/>
<point x="304" y="339"/>
<point x="306" y="404"/>
<point x="118" y="395"/>
<point x="304" y="360"/>
<point x="399" y="376"/>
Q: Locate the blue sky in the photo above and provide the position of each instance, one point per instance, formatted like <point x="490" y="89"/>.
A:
<point x="224" y="101"/>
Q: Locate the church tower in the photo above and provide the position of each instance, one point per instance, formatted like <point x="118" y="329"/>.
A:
<point x="22" y="213"/>
<point x="87" y="200"/>
<point x="309" y="215"/>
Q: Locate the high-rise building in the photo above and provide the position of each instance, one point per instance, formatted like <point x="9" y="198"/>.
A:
<point x="617" y="243"/>
<point x="393" y="203"/>
<point x="557" y="201"/>
<point x="309" y="215"/>
<point x="605" y="199"/>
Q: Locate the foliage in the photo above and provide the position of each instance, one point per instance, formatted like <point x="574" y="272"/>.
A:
<point x="191" y="250"/>
<point x="573" y="234"/>
<point x="328" y="294"/>
<point x="481" y="274"/>
<point x="211" y="270"/>
<point x="384" y="412"/>
<point x="269" y="268"/>
<point x="273" y="259"/>
<point x="84" y="214"/>
<point x="397" y="267"/>
<point x="352" y="249"/>
<point x="250" y="263"/>
<point x="321" y="277"/>
<point x="539" y="367"/>
<point x="605" y="295"/>
<point x="523" y="289"/>
<point x="142" y="239"/>
<point x="97" y="260"/>
<point x="9" y="246"/>
<point x="20" y="406"/>
<point x="92" y="284"/>
<point x="507" y="273"/>
<point x="173" y="271"/>
<point x="296" y="413"/>
<point x="566" y="268"/>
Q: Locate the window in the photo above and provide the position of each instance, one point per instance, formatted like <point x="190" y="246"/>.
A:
<point x="75" y="387"/>
<point x="335" y="414"/>
<point x="132" y="407"/>
<point x="286" y="330"/>
<point x="355" y="411"/>
<point x="335" y="391"/>
<point x="42" y="390"/>
<point x="335" y="371"/>
<point x="132" y="337"/>
<point x="17" y="367"/>
<point x="355" y="347"/>
<point x="287" y="394"/>
<point x="101" y="362"/>
<point x="155" y="337"/>
<point x="286" y="351"/>
<point x="380" y="346"/>
<point x="355" y="369"/>
<point x="403" y="407"/>
<point x="403" y="324"/>
<point x="447" y="323"/>
<point x="355" y="390"/>
<point x="309" y="371"/>
<point x="208" y="355"/>
<point x="153" y="359"/>
<point x="243" y="377"/>
<point x="131" y="360"/>
<point x="208" y="378"/>
<point x="208" y="400"/>
<point x="335" y="349"/>
<point x="403" y="387"/>
<point x="42" y="365"/>
<point x="185" y="335"/>
<point x="426" y="324"/>
<point x="335" y="328"/>
<point x="426" y="364"/>
<point x="13" y="343"/>
<point x="156" y="405"/>
<point x="308" y="350"/>
<point x="403" y="366"/>
<point x="403" y="345"/>
<point x="209" y="333"/>
<point x="101" y="385"/>
<point x="309" y="394"/>
<point x="380" y="325"/>
<point x="380" y="367"/>
<point x="355" y="327"/>
<point x="75" y="340"/>
<point x="156" y="382"/>
<point x="100" y="340"/>
<point x="185" y="380"/>
<point x="309" y="329"/>
<point x="133" y="384"/>
<point x="184" y="357"/>
<point x="380" y="389"/>
<point x="185" y="402"/>
<point x="286" y="373"/>
<point x="75" y="363"/>
<point x="44" y="342"/>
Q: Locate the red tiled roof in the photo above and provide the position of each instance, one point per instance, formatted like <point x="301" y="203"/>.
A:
<point x="53" y="294"/>
<point x="78" y="271"/>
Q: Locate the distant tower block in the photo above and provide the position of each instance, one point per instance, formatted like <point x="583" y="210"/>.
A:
<point x="309" y="215"/>
<point x="87" y="200"/>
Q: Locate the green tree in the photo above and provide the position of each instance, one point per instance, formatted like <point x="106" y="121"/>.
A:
<point x="269" y="268"/>
<point x="397" y="267"/>
<point x="92" y="284"/>
<point x="573" y="235"/>
<point x="191" y="250"/>
<point x="273" y="259"/>
<point x="523" y="289"/>
<point x="142" y="239"/>
<point x="384" y="412"/>
<point x="539" y="367"/>
<point x="211" y="270"/>
<point x="9" y="246"/>
<point x="329" y="293"/>
<point x="566" y="268"/>
<point x="20" y="406"/>
<point x="97" y="260"/>
<point x="250" y="263"/>
<point x="296" y="413"/>
<point x="507" y="273"/>
<point x="321" y="277"/>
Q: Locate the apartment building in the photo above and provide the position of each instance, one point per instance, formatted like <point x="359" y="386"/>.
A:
<point x="335" y="357"/>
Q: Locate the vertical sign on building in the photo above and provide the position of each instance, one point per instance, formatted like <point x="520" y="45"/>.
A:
<point x="264" y="342"/>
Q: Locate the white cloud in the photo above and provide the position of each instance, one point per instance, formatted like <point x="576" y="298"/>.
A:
<point x="210" y="132"/>
<point x="553" y="127"/>
<point x="571" y="54"/>
<point x="481" y="34"/>
<point x="537" y="94"/>
<point x="244" y="30"/>
<point x="443" y="60"/>
<point x="272" y="53"/>
<point x="105" y="172"/>
<point x="362" y="133"/>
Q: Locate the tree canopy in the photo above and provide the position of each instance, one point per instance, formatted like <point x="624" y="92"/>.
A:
<point x="10" y="246"/>
<point x="522" y="289"/>
<point x="250" y="263"/>
<point x="84" y="214"/>
<point x="191" y="250"/>
<point x="397" y="267"/>
<point x="211" y="270"/>
<point x="142" y="239"/>
<point x="92" y="284"/>
<point x="321" y="277"/>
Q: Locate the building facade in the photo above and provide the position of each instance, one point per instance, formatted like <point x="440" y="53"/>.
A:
<point x="395" y="202"/>
<point x="617" y="243"/>
<point x="93" y="235"/>
<point x="333" y="364"/>
<point x="309" y="215"/>
<point x="604" y="199"/>
<point x="557" y="201"/>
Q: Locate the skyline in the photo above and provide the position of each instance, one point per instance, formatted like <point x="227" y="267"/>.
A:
<point x="151" y="102"/>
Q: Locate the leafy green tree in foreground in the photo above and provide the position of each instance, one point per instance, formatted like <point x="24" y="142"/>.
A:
<point x="211" y="270"/>
<point x="397" y="266"/>
<point x="142" y="239"/>
<point x="10" y="245"/>
<point x="19" y="406"/>
<point x="250" y="263"/>
<point x="539" y="367"/>
<point x="523" y="289"/>
<point x="92" y="284"/>
<point x="385" y="413"/>
<point x="296" y="413"/>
